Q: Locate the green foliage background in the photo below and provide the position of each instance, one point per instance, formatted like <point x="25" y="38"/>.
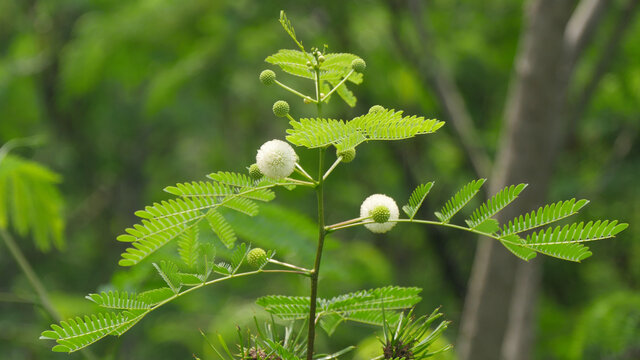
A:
<point x="136" y="95"/>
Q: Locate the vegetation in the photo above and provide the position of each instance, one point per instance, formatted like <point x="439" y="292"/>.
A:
<point x="215" y="230"/>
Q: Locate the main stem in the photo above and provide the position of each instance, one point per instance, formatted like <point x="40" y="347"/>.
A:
<point x="321" y="234"/>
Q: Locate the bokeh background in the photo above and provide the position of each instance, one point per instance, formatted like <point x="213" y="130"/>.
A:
<point x="133" y="96"/>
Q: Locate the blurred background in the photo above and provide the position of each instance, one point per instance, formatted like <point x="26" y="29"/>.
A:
<point x="128" y="97"/>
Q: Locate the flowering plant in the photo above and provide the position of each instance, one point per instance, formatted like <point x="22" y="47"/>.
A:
<point x="277" y="166"/>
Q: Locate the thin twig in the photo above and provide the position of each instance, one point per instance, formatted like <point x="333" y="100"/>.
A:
<point x="337" y="86"/>
<point x="274" y="261"/>
<point x="333" y="166"/>
<point x="301" y="170"/>
<point x="294" y="91"/>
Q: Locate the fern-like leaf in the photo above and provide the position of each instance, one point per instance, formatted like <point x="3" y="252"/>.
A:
<point x="364" y="306"/>
<point x="516" y="245"/>
<point x="164" y="221"/>
<point x="565" y="242"/>
<point x="280" y="352"/>
<point x="572" y="252"/>
<point x="30" y="201"/>
<point x="344" y="92"/>
<point x="200" y="189"/>
<point x="75" y="334"/>
<point x="314" y="133"/>
<point x="286" y="307"/>
<point x="286" y="24"/>
<point x="392" y="125"/>
<point x="221" y="227"/>
<point x="382" y="125"/>
<point x="171" y="218"/>
<point x="293" y="62"/>
<point x="242" y="205"/>
<point x="543" y="216"/>
<point x="188" y="246"/>
<point x="133" y="317"/>
<point x="390" y="297"/>
<point x="498" y="202"/>
<point x="156" y="296"/>
<point x="340" y="63"/>
<point x="416" y="199"/>
<point x="231" y="179"/>
<point x="459" y="200"/>
<point x="168" y="271"/>
<point x="238" y="256"/>
<point x="120" y="300"/>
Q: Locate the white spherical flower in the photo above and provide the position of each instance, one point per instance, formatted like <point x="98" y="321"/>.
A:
<point x="276" y="159"/>
<point x="372" y="203"/>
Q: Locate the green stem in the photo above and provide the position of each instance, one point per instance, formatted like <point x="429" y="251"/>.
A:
<point x="337" y="86"/>
<point x="294" y="91"/>
<point x="357" y="222"/>
<point x="333" y="166"/>
<point x="300" y="182"/>
<point x="32" y="141"/>
<point x="28" y="271"/>
<point x="35" y="282"/>
<point x="291" y="266"/>
<point x="301" y="171"/>
<point x="341" y="225"/>
<point x="321" y="235"/>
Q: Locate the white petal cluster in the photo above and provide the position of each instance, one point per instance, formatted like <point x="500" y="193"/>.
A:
<point x="276" y="159"/>
<point x="372" y="202"/>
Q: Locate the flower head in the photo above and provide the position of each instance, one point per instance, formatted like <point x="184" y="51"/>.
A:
<point x="281" y="108"/>
<point x="276" y="159"/>
<point x="358" y="65"/>
<point x="256" y="257"/>
<point x="375" y="206"/>
<point x="347" y="155"/>
<point x="254" y="172"/>
<point x="267" y="77"/>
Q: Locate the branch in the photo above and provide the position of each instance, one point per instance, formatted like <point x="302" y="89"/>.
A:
<point x="32" y="277"/>
<point x="581" y="26"/>
<point x="603" y="63"/>
<point x="445" y="89"/>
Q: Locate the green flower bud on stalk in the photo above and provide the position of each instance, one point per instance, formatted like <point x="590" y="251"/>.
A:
<point x="256" y="257"/>
<point x="268" y="77"/>
<point x="347" y="155"/>
<point x="281" y="108"/>
<point x="358" y="65"/>
<point x="254" y="172"/>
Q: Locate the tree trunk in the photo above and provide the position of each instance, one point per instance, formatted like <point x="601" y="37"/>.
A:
<point x="530" y="143"/>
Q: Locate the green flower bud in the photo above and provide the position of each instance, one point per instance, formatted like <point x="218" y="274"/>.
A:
<point x="380" y="214"/>
<point x="376" y="108"/>
<point x="281" y="108"/>
<point x="267" y="77"/>
<point x="321" y="59"/>
<point x="307" y="100"/>
<point x="358" y="65"/>
<point x="347" y="155"/>
<point x="254" y="172"/>
<point x="256" y="257"/>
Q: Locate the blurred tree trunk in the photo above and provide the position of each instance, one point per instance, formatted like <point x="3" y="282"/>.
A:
<point x="498" y="319"/>
<point x="526" y="154"/>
